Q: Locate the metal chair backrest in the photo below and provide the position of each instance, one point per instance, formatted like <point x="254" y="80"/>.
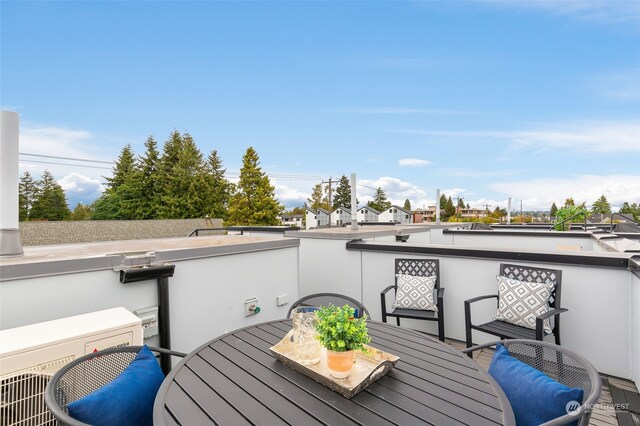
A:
<point x="326" y="299"/>
<point x="565" y="367"/>
<point x="87" y="374"/>
<point x="536" y="275"/>
<point x="419" y="268"/>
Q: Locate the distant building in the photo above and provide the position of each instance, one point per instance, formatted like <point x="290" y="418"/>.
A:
<point x="473" y="213"/>
<point x="292" y="220"/>
<point x="395" y="214"/>
<point x="424" y="215"/>
<point x="316" y="218"/>
<point x="367" y="214"/>
<point x="340" y="216"/>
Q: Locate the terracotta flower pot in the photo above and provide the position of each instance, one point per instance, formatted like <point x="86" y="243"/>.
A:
<point x="340" y="363"/>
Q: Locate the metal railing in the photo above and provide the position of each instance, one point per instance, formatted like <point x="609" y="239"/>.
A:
<point x="621" y="215"/>
<point x="196" y="231"/>
<point x="561" y="224"/>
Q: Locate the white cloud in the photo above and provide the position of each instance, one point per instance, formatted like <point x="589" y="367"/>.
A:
<point x="621" y="85"/>
<point x="413" y="162"/>
<point x="396" y="190"/>
<point x="80" y="188"/>
<point x="404" y="110"/>
<point x="80" y="184"/>
<point x="595" y="11"/>
<point x="541" y="193"/>
<point x="289" y="197"/>
<point x="600" y="137"/>
<point x="66" y="143"/>
<point x="53" y="141"/>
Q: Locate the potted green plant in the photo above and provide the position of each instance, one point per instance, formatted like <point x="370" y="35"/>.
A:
<point x="341" y="333"/>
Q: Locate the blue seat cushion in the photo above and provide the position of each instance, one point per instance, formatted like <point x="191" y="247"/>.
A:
<point x="535" y="397"/>
<point x="127" y="400"/>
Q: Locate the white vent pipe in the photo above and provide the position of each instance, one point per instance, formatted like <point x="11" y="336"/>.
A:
<point x="10" y="242"/>
<point x="437" y="206"/>
<point x="354" y="207"/>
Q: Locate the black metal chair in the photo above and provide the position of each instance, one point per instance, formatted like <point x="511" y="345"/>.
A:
<point x="506" y="330"/>
<point x="86" y="374"/>
<point x="419" y="268"/>
<point x="325" y="299"/>
<point x="563" y="366"/>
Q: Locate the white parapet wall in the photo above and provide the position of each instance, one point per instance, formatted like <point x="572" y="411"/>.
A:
<point x="213" y="278"/>
<point x="634" y="303"/>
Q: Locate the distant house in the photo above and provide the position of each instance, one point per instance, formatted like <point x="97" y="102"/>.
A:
<point x="316" y="218"/>
<point x="292" y="220"/>
<point x="473" y="213"/>
<point x="424" y="215"/>
<point x="340" y="216"/>
<point x="367" y="214"/>
<point x="395" y="214"/>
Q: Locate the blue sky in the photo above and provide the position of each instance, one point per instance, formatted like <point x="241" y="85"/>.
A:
<point x="539" y="101"/>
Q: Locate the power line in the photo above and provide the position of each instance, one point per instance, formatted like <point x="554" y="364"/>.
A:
<point x="67" y="158"/>
<point x="66" y="164"/>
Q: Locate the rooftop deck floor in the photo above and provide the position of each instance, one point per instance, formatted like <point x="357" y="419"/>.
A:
<point x="605" y="415"/>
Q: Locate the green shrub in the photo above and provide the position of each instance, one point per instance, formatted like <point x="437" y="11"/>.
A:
<point x="339" y="331"/>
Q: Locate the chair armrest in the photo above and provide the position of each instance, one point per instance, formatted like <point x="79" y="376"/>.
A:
<point x="475" y="299"/>
<point x="540" y="321"/>
<point x="551" y="313"/>
<point x="387" y="289"/>
<point x="167" y="351"/>
<point x="440" y="293"/>
<point x="478" y="347"/>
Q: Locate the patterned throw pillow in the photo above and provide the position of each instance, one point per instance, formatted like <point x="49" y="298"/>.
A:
<point x="520" y="302"/>
<point x="415" y="293"/>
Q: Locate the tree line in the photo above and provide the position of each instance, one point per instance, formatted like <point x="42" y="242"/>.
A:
<point x="177" y="183"/>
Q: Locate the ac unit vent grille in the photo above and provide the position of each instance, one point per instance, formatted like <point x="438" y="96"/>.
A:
<point x="22" y="395"/>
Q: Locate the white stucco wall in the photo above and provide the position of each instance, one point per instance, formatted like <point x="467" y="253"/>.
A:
<point x="635" y="327"/>
<point x="530" y="242"/>
<point x="206" y="295"/>
<point x="597" y="325"/>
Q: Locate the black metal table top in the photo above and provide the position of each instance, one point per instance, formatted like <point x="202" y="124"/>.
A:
<point x="234" y="380"/>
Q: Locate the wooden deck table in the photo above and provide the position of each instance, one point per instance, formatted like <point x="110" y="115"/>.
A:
<point x="234" y="380"/>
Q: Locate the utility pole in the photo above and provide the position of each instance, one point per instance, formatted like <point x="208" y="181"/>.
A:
<point x="330" y="200"/>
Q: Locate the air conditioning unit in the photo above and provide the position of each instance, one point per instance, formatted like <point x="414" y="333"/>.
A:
<point x="30" y="355"/>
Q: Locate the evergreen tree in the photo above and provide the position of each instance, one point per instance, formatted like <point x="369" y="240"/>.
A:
<point x="51" y="203"/>
<point x="554" y="210"/>
<point x="185" y="189"/>
<point x="450" y="208"/>
<point x="601" y="205"/>
<point x="145" y="184"/>
<point x="219" y="188"/>
<point x="319" y="198"/>
<point x="407" y="204"/>
<point x="29" y="191"/>
<point x="81" y="212"/>
<point x="119" y="198"/>
<point x="632" y="209"/>
<point x="380" y="201"/>
<point x="254" y="202"/>
<point x="443" y="207"/>
<point x="342" y="197"/>
<point x="123" y="169"/>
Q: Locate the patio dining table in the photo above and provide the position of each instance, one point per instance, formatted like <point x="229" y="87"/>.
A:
<point x="234" y="380"/>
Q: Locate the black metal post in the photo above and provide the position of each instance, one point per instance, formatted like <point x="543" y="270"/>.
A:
<point x="164" y="320"/>
<point x="161" y="273"/>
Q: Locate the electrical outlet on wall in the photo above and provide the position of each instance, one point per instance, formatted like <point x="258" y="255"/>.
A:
<point x="251" y="307"/>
